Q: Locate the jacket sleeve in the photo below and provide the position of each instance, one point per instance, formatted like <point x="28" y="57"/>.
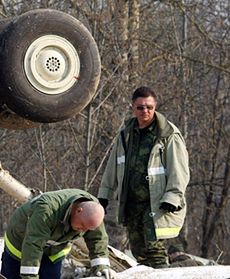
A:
<point x="97" y="243"/>
<point x="177" y="171"/>
<point x="109" y="181"/>
<point x="37" y="234"/>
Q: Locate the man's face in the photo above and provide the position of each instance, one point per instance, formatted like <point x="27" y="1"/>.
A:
<point x="79" y="222"/>
<point x="144" y="109"/>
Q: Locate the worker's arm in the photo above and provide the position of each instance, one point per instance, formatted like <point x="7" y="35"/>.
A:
<point x="37" y="234"/>
<point x="177" y="171"/>
<point x="97" y="243"/>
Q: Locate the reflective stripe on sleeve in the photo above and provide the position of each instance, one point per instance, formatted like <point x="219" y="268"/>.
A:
<point x="121" y="160"/>
<point x="100" y="261"/>
<point x="11" y="248"/>
<point x="155" y="171"/>
<point x="29" y="270"/>
<point x="60" y="254"/>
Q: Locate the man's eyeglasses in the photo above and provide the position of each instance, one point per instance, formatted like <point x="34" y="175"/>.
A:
<point x="142" y="107"/>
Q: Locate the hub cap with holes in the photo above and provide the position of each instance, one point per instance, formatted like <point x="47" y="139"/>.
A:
<point x="52" y="64"/>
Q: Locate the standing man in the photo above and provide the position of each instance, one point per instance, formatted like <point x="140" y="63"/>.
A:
<point x="40" y="231"/>
<point x="147" y="172"/>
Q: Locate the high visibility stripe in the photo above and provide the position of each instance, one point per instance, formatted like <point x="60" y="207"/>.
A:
<point x="121" y="160"/>
<point x="29" y="270"/>
<point x="100" y="261"/>
<point x="18" y="253"/>
<point x="60" y="254"/>
<point x="165" y="232"/>
<point x="155" y="171"/>
<point x="11" y="248"/>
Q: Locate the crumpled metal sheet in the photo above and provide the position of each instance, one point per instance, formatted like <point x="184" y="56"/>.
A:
<point x="119" y="261"/>
<point x="193" y="272"/>
<point x="127" y="268"/>
<point x="77" y="263"/>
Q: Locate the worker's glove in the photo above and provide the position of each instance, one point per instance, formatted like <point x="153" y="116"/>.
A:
<point x="104" y="203"/>
<point x="103" y="270"/>
<point x="168" y="207"/>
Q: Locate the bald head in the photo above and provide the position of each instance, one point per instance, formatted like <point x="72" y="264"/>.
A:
<point x="86" y="215"/>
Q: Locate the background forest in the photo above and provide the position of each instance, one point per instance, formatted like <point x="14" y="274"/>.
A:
<point x="182" y="49"/>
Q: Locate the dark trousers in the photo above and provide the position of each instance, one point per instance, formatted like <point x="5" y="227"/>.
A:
<point x="142" y="239"/>
<point x="11" y="268"/>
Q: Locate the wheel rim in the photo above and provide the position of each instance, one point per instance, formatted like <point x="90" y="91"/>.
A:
<point x="52" y="64"/>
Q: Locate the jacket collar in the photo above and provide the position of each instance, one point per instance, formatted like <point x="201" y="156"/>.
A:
<point x="164" y="128"/>
<point x="69" y="208"/>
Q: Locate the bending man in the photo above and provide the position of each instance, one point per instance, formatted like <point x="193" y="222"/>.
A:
<point x="40" y="231"/>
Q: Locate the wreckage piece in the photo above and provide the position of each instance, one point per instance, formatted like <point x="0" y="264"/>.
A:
<point x="196" y="272"/>
<point x="13" y="187"/>
<point x="10" y="120"/>
<point x="128" y="268"/>
<point x="119" y="261"/>
<point x="77" y="263"/>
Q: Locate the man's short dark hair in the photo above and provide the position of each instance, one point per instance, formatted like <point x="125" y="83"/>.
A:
<point x="144" y="92"/>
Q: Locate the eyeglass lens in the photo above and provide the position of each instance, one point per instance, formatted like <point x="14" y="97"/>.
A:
<point x="149" y="107"/>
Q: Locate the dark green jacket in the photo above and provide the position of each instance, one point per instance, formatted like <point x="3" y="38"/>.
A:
<point x="42" y="225"/>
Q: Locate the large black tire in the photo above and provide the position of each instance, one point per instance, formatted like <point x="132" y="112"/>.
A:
<point x="49" y="66"/>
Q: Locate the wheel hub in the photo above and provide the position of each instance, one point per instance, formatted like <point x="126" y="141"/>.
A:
<point x="52" y="64"/>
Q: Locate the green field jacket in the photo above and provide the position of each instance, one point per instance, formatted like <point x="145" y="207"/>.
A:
<point x="42" y="225"/>
<point x="168" y="176"/>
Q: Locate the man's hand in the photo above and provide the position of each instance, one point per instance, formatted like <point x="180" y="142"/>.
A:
<point x="104" y="203"/>
<point x="108" y="273"/>
<point x="168" y="207"/>
<point x="103" y="270"/>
